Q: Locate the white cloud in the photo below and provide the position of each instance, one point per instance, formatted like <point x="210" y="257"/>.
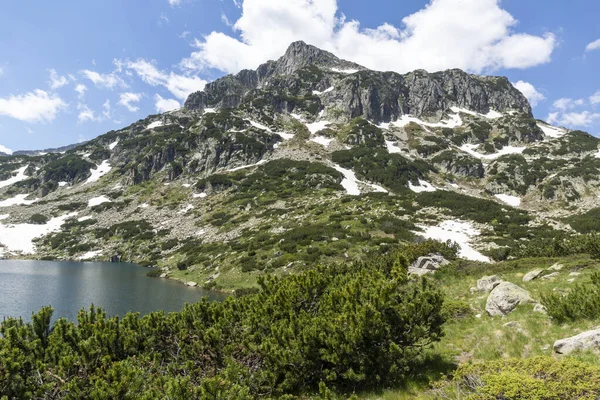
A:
<point x="80" y="89"/>
<point x="474" y="35"/>
<point x="106" y="109"/>
<point x="225" y="20"/>
<point x="573" y="119"/>
<point x="126" y="100"/>
<point x="164" y="105"/>
<point x="595" y="45"/>
<point x="181" y="86"/>
<point x="174" y="3"/>
<point x="567" y="104"/>
<point x="106" y="81"/>
<point x="87" y="114"/>
<point x="595" y="98"/>
<point x="57" y="81"/>
<point x="5" y="150"/>
<point x="1" y="72"/>
<point x="530" y="92"/>
<point x="35" y="106"/>
<point x="163" y="19"/>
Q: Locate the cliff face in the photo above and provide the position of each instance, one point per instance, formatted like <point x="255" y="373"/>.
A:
<point x="377" y="96"/>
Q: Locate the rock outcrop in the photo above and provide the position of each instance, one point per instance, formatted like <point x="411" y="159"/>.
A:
<point x="505" y="298"/>
<point x="488" y="283"/>
<point x="532" y="275"/>
<point x="427" y="264"/>
<point x="374" y="95"/>
<point x="589" y="340"/>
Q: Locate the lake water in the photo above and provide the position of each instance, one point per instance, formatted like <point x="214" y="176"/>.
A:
<point x="27" y="286"/>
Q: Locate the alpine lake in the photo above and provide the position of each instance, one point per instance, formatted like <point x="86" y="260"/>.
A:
<point x="118" y="288"/>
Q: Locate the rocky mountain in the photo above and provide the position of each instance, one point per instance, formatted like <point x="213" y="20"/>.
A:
<point x="308" y="158"/>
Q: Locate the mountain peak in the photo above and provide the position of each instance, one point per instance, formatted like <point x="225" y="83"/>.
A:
<point x="300" y="54"/>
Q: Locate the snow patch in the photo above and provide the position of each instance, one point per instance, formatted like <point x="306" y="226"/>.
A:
<point x="113" y="145"/>
<point x="210" y="110"/>
<point x="186" y="185"/>
<point x="316" y="92"/>
<point x="490" y="115"/>
<point x="551" y="131"/>
<point x="86" y="218"/>
<point x="344" y="71"/>
<point x="19" y="237"/>
<point x="285" y="136"/>
<point x="392" y="147"/>
<point x="350" y="183"/>
<point x="246" y="166"/>
<point x="63" y="184"/>
<point x="17" y="178"/>
<point x="155" y="124"/>
<point x="144" y="205"/>
<point x="470" y="149"/>
<point x="457" y="231"/>
<point x="322" y="140"/>
<point x="90" y="255"/>
<point x="423" y="186"/>
<point x="317" y="126"/>
<point x="4" y="216"/>
<point x="259" y="126"/>
<point x="98" y="200"/>
<point x="17" y="201"/>
<point x="199" y="195"/>
<point x="186" y="209"/>
<point x="101" y="170"/>
<point x="508" y="199"/>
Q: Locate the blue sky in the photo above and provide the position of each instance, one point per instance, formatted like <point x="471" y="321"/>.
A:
<point x="71" y="70"/>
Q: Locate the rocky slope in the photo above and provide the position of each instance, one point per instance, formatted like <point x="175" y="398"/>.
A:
<point x="307" y="158"/>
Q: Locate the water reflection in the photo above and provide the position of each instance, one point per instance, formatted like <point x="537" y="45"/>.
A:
<point x="26" y="286"/>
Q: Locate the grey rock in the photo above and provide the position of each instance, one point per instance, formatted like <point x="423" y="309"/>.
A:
<point x="427" y="264"/>
<point x="419" y="271"/>
<point x="532" y="275"/>
<point x="540" y="309"/>
<point x="556" y="267"/>
<point x="488" y="283"/>
<point x="192" y="284"/>
<point x="589" y="340"/>
<point x="505" y="298"/>
<point x="374" y="95"/>
<point x="550" y="276"/>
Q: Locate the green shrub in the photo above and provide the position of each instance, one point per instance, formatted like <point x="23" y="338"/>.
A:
<point x="356" y="325"/>
<point x="154" y="273"/>
<point x="38" y="219"/>
<point x="581" y="302"/>
<point x="540" y="378"/>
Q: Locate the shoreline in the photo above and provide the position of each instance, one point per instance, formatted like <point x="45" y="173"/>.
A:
<point x="180" y="280"/>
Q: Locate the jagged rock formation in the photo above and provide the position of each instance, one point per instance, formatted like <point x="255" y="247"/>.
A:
<point x="376" y="96"/>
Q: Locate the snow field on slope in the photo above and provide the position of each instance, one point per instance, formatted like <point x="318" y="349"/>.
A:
<point x="461" y="232"/>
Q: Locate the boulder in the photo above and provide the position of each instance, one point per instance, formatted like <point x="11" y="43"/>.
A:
<point x="556" y="267"/>
<point x="427" y="264"/>
<point x="505" y="298"/>
<point x="532" y="275"/>
<point x="488" y="283"/>
<point x="584" y="341"/>
<point x="192" y="284"/>
<point x="550" y="276"/>
<point x="540" y="309"/>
